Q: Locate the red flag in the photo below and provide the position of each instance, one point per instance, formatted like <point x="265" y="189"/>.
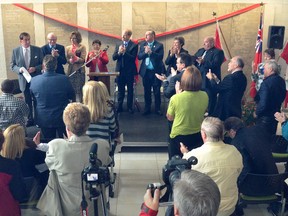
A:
<point x="284" y="53"/>
<point x="218" y="43"/>
<point x="257" y="56"/>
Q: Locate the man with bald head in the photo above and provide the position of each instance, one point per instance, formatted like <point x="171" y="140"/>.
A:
<point x="56" y="50"/>
<point x="231" y="90"/>
<point x="209" y="57"/>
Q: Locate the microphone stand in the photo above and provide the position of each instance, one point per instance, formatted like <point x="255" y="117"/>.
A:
<point x="90" y="60"/>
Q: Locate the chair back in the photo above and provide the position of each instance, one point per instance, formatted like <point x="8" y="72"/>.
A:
<point x="263" y="185"/>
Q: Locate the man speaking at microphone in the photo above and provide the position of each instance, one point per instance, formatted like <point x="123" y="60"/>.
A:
<point x="125" y="53"/>
<point x="56" y="50"/>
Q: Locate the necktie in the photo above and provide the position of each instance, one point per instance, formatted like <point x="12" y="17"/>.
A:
<point x="26" y="58"/>
<point x="147" y="60"/>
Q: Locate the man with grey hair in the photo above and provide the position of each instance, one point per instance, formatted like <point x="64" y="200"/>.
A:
<point x="222" y="162"/>
<point x="52" y="92"/>
<point x="230" y="90"/>
<point x="56" y="50"/>
<point x="195" y="194"/>
<point x="270" y="96"/>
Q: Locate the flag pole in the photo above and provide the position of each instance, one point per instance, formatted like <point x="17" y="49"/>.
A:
<point x="229" y="53"/>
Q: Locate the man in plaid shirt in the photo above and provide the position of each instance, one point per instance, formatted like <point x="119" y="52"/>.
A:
<point x="12" y="110"/>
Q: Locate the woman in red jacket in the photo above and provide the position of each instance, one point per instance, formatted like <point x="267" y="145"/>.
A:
<point x="97" y="60"/>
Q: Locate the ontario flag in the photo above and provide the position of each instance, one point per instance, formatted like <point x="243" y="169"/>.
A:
<point x="258" y="55"/>
<point x="218" y="43"/>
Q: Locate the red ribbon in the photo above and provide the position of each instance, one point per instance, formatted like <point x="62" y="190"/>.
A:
<point x="207" y="22"/>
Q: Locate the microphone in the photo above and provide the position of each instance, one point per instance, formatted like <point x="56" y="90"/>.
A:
<point x="93" y="153"/>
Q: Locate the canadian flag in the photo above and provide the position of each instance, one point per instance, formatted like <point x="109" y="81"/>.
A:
<point x="284" y="53"/>
<point x="218" y="43"/>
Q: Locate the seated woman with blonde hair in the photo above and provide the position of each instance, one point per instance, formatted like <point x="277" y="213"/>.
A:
<point x="103" y="124"/>
<point x="12" y="187"/>
<point x="15" y="148"/>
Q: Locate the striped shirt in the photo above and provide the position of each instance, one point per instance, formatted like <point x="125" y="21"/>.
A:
<point x="103" y="128"/>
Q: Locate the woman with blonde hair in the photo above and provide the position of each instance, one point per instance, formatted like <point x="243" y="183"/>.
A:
<point x="95" y="97"/>
<point x="15" y="148"/>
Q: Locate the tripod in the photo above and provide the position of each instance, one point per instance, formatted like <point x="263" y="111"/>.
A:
<point x="96" y="191"/>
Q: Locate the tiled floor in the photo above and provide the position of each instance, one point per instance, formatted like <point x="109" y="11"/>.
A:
<point x="134" y="172"/>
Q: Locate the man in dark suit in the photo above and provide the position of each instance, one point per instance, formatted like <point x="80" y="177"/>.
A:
<point x="56" y="50"/>
<point x="30" y="58"/>
<point x="231" y="90"/>
<point x="51" y="92"/>
<point x="209" y="57"/>
<point x="183" y="61"/>
<point x="125" y="53"/>
<point x="151" y="53"/>
<point x="270" y="96"/>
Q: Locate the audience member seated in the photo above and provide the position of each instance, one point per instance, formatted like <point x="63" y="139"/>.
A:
<point x="282" y="119"/>
<point x="15" y="148"/>
<point x="220" y="161"/>
<point x="12" y="110"/>
<point x="254" y="146"/>
<point x="66" y="160"/>
<point x="102" y="115"/>
<point x="186" y="110"/>
<point x="195" y="194"/>
<point x="12" y="188"/>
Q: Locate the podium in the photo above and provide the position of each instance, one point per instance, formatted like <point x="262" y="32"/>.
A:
<point x="103" y="77"/>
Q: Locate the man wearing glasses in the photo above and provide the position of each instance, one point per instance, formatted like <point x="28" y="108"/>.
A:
<point x="56" y="50"/>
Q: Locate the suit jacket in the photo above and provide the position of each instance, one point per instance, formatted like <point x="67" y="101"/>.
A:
<point x="67" y="159"/>
<point x="212" y="60"/>
<point x="255" y="148"/>
<point x="231" y="91"/>
<point x="36" y="58"/>
<point x="270" y="96"/>
<point x="169" y="86"/>
<point x="156" y="57"/>
<point x="126" y="62"/>
<point x="52" y="93"/>
<point x="171" y="61"/>
<point x="61" y="59"/>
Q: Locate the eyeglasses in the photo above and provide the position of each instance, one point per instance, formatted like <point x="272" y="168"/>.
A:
<point x="52" y="39"/>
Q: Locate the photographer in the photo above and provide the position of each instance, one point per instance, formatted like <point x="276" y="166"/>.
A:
<point x="195" y="194"/>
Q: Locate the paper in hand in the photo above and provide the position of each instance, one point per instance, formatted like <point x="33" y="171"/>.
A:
<point x="26" y="74"/>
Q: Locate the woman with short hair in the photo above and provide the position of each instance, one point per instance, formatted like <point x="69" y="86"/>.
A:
<point x="186" y="109"/>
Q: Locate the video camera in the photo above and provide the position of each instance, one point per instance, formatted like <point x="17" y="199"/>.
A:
<point x="95" y="173"/>
<point x="171" y="172"/>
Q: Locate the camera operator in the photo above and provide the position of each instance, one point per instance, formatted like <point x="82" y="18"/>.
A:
<point x="220" y="161"/>
<point x="195" y="194"/>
